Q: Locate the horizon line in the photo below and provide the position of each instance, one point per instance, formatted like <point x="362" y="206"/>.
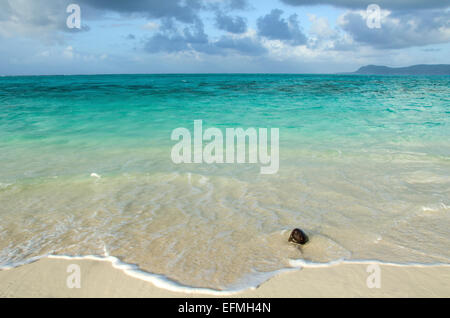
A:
<point x="218" y="73"/>
<point x="227" y="73"/>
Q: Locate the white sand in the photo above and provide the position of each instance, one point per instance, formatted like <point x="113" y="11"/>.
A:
<point x="47" y="278"/>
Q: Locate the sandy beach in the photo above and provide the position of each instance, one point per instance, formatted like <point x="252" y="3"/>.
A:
<point x="47" y="277"/>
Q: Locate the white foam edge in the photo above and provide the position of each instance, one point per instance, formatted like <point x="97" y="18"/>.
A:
<point x="157" y="280"/>
<point x="301" y="263"/>
<point x="163" y="282"/>
<point x="132" y="270"/>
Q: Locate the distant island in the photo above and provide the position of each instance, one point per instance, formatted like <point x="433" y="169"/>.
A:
<point x="422" y="69"/>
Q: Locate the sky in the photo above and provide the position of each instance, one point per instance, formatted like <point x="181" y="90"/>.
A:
<point x="220" y="36"/>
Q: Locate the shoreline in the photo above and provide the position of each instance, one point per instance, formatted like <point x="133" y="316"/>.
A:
<point x="102" y="277"/>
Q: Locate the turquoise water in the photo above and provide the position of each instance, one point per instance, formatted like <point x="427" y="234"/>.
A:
<point x="364" y="168"/>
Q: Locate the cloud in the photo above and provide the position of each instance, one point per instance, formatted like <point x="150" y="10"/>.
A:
<point x="172" y="39"/>
<point x="274" y="27"/>
<point x="323" y="37"/>
<point x="245" y="45"/>
<point x="231" y="24"/>
<point x="46" y="20"/>
<point x="399" y="30"/>
<point x="431" y="50"/>
<point x="68" y="52"/>
<point x="321" y="28"/>
<point x="384" y="4"/>
<point x="215" y="35"/>
<point x="151" y="26"/>
<point x="35" y="19"/>
<point x="182" y="10"/>
<point x="226" y="5"/>
<point x="177" y="24"/>
<point x="237" y="4"/>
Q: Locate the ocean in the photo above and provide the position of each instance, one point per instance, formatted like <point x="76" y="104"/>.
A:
<point x="86" y="170"/>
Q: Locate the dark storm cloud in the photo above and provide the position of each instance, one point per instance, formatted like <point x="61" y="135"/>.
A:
<point x="385" y="4"/>
<point x="274" y="27"/>
<point x="182" y="10"/>
<point x="231" y="24"/>
<point x="400" y="30"/>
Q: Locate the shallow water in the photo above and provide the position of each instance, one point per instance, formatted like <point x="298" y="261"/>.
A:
<point x="364" y="170"/>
